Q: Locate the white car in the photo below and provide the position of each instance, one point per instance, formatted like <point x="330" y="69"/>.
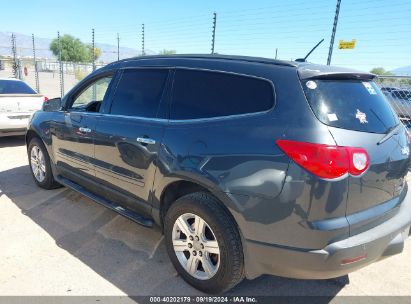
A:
<point x="18" y="101"/>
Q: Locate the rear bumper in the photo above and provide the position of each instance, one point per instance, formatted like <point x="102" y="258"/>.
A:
<point x="336" y="259"/>
<point x="12" y="132"/>
<point x="12" y="124"/>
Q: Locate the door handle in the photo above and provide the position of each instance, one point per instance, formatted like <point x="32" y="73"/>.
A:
<point x="145" y="140"/>
<point x="84" y="130"/>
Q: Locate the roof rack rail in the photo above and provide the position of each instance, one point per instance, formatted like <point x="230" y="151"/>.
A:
<point x="218" y="57"/>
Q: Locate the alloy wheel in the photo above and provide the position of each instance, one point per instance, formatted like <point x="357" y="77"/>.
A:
<point x="196" y="246"/>
<point x="38" y="164"/>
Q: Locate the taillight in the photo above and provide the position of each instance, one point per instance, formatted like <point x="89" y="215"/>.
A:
<point x="326" y="161"/>
<point x="45" y="99"/>
<point x="359" y="160"/>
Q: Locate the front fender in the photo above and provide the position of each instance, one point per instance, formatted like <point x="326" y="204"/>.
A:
<point x="40" y="126"/>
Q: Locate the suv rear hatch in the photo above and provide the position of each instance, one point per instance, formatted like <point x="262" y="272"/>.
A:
<point x="358" y="115"/>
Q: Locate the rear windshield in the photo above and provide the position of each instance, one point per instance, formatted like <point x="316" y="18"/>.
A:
<point x="14" y="87"/>
<point x="350" y="104"/>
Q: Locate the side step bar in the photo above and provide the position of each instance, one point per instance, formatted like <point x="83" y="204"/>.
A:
<point x="106" y="203"/>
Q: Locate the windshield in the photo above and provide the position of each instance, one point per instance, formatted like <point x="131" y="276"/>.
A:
<point x="350" y="104"/>
<point x="14" y="87"/>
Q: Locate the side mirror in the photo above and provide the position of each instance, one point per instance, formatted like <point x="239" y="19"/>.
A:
<point x="52" y="105"/>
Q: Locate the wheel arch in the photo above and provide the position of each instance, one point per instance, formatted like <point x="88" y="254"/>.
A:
<point x="179" y="188"/>
<point x="33" y="133"/>
<point x="30" y="134"/>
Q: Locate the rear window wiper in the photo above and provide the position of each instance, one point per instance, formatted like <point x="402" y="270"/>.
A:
<point x="391" y="132"/>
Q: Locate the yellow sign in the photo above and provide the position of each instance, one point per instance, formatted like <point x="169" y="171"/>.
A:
<point x="347" y="44"/>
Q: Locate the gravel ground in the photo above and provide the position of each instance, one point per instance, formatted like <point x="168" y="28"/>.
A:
<point x="61" y="243"/>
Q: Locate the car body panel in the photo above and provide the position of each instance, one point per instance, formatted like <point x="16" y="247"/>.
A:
<point x="73" y="148"/>
<point x="274" y="201"/>
<point x="121" y="161"/>
<point x="16" y="110"/>
<point x="384" y="181"/>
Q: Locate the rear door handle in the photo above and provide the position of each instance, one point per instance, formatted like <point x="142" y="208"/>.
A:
<point x="145" y="140"/>
<point x="84" y="130"/>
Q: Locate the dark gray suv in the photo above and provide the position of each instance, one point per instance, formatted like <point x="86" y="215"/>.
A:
<point x="251" y="166"/>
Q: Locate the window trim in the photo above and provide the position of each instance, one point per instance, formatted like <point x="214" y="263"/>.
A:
<point x="134" y="117"/>
<point x="82" y="86"/>
<point x="224" y="117"/>
<point x="163" y="95"/>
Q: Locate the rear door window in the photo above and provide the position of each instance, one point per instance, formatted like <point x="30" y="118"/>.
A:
<point x="206" y="94"/>
<point x="139" y="92"/>
<point x="350" y="104"/>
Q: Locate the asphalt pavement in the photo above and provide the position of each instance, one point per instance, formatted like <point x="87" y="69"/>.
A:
<point x="61" y="243"/>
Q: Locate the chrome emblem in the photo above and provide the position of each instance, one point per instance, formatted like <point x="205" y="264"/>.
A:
<point x="405" y="151"/>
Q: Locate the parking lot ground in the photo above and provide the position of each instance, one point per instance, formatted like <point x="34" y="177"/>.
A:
<point x="60" y="243"/>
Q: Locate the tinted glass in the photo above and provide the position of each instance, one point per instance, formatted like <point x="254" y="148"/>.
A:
<point x="139" y="93"/>
<point x="201" y="94"/>
<point x="350" y="104"/>
<point x="15" y="87"/>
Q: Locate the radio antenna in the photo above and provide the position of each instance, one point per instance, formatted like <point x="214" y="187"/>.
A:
<point x="309" y="53"/>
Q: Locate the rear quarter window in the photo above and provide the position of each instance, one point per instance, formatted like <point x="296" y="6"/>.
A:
<point x="206" y="94"/>
<point x="350" y="104"/>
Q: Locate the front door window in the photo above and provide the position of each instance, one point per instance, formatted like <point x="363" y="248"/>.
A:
<point x="90" y="99"/>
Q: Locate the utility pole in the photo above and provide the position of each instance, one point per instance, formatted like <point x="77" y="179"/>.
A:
<point x="276" y="52"/>
<point x="14" y="52"/>
<point x="118" y="47"/>
<point x="93" y="56"/>
<point x="16" y="61"/>
<point x="143" y="51"/>
<point x="61" y="67"/>
<point x="93" y="46"/>
<point x="213" y="35"/>
<point x="36" y="72"/>
<point x="330" y="51"/>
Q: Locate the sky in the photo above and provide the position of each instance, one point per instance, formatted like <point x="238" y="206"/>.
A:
<point x="381" y="28"/>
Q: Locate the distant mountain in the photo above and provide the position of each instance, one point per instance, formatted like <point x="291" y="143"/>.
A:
<point x="403" y="71"/>
<point x="24" y="48"/>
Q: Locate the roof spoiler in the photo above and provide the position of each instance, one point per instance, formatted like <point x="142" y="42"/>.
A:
<point x="307" y="74"/>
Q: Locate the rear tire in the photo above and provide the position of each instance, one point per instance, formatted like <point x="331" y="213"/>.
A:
<point x="40" y="165"/>
<point x="210" y="258"/>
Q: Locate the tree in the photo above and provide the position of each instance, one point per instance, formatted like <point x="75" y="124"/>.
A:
<point x="97" y="52"/>
<point x="381" y="71"/>
<point x="72" y="49"/>
<point x="167" y="52"/>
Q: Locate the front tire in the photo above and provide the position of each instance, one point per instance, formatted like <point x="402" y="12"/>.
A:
<point x="40" y="165"/>
<point x="203" y="243"/>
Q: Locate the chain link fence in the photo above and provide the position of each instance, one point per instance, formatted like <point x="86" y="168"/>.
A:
<point x="46" y="80"/>
<point x="269" y="31"/>
<point x="397" y="89"/>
